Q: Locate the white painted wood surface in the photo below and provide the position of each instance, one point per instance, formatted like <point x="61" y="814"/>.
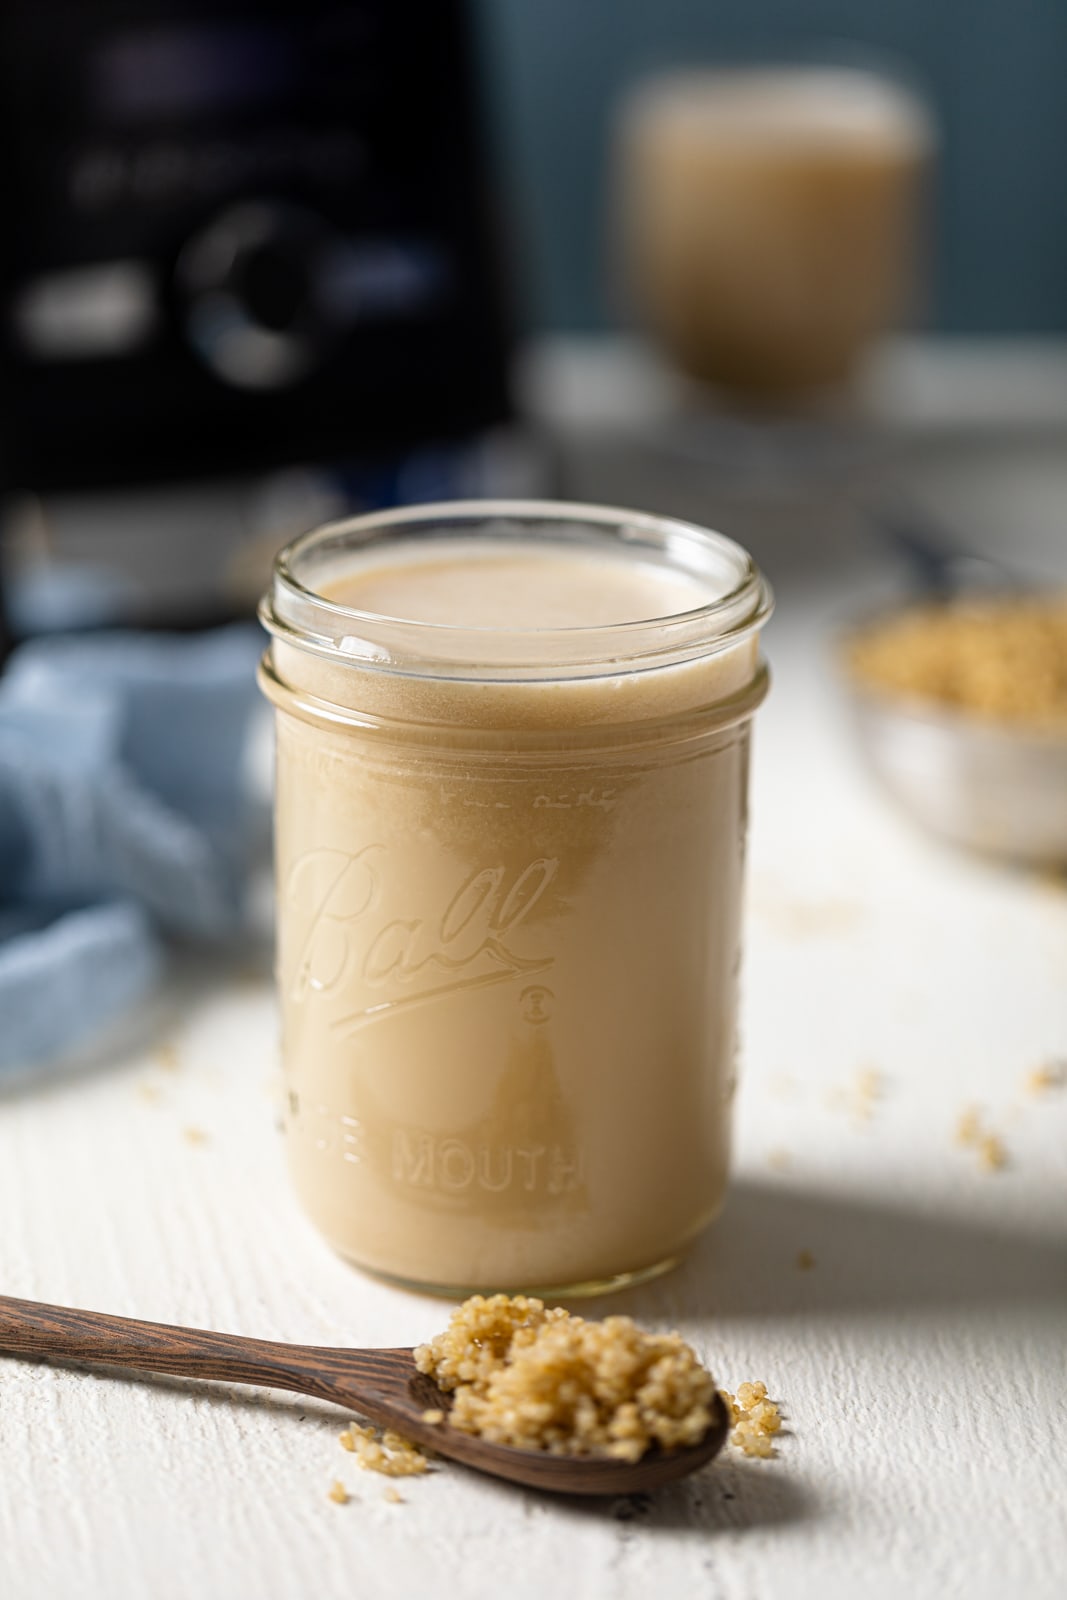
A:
<point x="921" y="1363"/>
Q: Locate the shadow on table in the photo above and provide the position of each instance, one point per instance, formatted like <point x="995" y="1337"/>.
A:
<point x="780" y="1251"/>
<point x="729" y="1496"/>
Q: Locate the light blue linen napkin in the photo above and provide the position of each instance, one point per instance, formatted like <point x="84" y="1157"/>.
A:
<point x="126" y="814"/>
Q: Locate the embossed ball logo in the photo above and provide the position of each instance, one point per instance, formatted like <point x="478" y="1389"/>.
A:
<point x="353" y="945"/>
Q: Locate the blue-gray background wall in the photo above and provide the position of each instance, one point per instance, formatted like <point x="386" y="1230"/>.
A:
<point x="994" y="70"/>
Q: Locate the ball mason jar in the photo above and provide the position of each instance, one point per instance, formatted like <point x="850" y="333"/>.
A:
<point x="512" y="758"/>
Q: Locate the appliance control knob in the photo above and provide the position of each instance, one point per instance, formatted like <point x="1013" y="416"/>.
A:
<point x="249" y="289"/>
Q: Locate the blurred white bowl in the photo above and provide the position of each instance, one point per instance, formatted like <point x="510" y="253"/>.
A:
<point x="990" y="787"/>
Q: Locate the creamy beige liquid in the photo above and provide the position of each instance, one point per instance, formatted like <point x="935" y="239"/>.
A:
<point x="509" y="933"/>
<point x="771" y="220"/>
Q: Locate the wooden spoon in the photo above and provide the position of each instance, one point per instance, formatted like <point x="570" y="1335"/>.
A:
<point x="383" y="1385"/>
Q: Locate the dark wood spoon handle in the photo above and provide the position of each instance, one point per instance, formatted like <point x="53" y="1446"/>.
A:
<point x="352" y="1378"/>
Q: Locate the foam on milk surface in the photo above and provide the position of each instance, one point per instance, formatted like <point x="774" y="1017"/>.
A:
<point x="856" y="111"/>
<point x="504" y="585"/>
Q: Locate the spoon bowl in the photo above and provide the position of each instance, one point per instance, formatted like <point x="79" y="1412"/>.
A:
<point x="383" y="1385"/>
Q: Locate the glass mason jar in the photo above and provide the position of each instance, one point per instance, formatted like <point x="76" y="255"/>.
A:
<point x="512" y="754"/>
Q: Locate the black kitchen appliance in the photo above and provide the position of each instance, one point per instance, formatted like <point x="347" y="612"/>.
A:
<point x="240" y="235"/>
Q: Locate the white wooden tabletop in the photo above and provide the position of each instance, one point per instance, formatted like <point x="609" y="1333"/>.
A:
<point x="921" y="1361"/>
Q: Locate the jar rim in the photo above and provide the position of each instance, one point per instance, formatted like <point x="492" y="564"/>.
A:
<point x="740" y="598"/>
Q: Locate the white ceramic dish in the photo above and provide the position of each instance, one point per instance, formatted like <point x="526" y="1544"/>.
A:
<point x="984" y="785"/>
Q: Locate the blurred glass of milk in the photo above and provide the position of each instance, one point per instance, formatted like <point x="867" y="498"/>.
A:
<point x="770" y="219"/>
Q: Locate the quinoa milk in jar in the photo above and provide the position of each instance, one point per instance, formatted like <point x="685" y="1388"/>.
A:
<point x="512" y="754"/>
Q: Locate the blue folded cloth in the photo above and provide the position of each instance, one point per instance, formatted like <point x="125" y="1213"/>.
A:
<point x="125" y="814"/>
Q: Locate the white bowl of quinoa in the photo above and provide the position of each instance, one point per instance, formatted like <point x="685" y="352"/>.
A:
<point x="960" y="710"/>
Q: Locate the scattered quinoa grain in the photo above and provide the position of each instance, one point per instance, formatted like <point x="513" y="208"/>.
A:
<point x="194" y="1136"/>
<point x="991" y="1152"/>
<point x="753" y="1440"/>
<point x="805" y="1260"/>
<point x="1053" y="1075"/>
<point x="766" y="1415"/>
<point x="859" y="1097"/>
<point x="338" y="1493"/>
<point x="732" y="1409"/>
<point x="868" y="1089"/>
<point x="433" y="1417"/>
<point x="393" y="1496"/>
<point x="756" y="1419"/>
<point x="972" y="1134"/>
<point x="969" y="1126"/>
<point x="383" y="1451"/>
